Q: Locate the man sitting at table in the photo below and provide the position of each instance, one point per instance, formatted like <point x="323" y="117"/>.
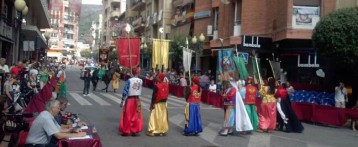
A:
<point x="65" y="123"/>
<point x="45" y="127"/>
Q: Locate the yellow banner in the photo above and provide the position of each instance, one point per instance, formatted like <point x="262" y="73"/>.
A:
<point x="160" y="53"/>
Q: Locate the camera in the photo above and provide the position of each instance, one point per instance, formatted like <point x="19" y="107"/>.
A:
<point x="18" y="119"/>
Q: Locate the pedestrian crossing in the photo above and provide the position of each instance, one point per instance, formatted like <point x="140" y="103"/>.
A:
<point x="111" y="99"/>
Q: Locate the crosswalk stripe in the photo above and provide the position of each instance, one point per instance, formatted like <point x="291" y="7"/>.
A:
<point x="142" y="103"/>
<point x="99" y="100"/>
<point x="172" y="98"/>
<point x="115" y="99"/>
<point x="80" y="99"/>
<point x="148" y="99"/>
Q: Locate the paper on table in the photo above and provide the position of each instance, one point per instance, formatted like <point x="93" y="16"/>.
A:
<point x="84" y="127"/>
<point x="85" y="137"/>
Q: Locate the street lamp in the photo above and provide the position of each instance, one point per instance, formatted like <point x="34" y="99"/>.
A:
<point x="20" y="6"/>
<point x="194" y="40"/>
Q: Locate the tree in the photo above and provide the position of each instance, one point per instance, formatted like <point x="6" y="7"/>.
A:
<point x="336" y="35"/>
<point x="176" y="48"/>
<point x="336" y="38"/>
<point x="86" y="53"/>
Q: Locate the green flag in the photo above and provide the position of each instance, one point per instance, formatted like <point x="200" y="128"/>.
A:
<point x="241" y="67"/>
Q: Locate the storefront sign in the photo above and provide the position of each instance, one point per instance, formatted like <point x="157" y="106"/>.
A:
<point x="256" y="42"/>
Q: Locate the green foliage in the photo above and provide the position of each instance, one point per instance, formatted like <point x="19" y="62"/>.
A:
<point x="86" y="53"/>
<point x="113" y="55"/>
<point x="176" y="48"/>
<point x="336" y="35"/>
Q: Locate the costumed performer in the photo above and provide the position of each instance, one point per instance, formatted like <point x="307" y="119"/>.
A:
<point x="158" y="124"/>
<point x="193" y="124"/>
<point x="131" y="121"/>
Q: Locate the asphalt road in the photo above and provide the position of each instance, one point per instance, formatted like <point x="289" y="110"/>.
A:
<point x="102" y="109"/>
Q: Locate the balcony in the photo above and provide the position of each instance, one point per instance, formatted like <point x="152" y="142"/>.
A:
<point x="40" y="10"/>
<point x="138" y="23"/>
<point x="137" y="5"/>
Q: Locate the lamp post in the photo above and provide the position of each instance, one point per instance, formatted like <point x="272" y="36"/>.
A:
<point x="197" y="42"/>
<point x="22" y="9"/>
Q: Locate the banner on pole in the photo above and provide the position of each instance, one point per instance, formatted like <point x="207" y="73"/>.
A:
<point x="103" y="55"/>
<point x="225" y="61"/>
<point x="160" y="53"/>
<point x="187" y="55"/>
<point x="128" y="52"/>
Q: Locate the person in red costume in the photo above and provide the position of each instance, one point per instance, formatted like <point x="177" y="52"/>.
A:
<point x="193" y="125"/>
<point x="287" y="121"/>
<point x="131" y="121"/>
<point x="250" y="102"/>
<point x="158" y="124"/>
<point x="229" y="95"/>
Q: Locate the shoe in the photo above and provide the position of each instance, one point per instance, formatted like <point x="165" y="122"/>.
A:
<point x="223" y="132"/>
<point x="230" y="132"/>
<point x="260" y="131"/>
<point x="88" y="94"/>
<point x="84" y="95"/>
<point x="124" y="134"/>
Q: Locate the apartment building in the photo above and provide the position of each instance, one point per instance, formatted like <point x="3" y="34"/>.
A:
<point x="112" y="10"/>
<point x="64" y="27"/>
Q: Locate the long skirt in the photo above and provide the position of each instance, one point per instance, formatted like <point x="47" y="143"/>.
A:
<point x="229" y="118"/>
<point x="158" y="120"/>
<point x="293" y="124"/>
<point x="193" y="124"/>
<point x="63" y="90"/>
<point x="115" y="84"/>
<point x="251" y="111"/>
<point x="267" y="116"/>
<point x="131" y="120"/>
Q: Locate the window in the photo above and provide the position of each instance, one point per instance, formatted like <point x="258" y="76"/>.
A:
<point x="306" y="2"/>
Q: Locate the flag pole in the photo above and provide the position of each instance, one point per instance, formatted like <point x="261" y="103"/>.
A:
<point x="187" y="47"/>
<point x="128" y="30"/>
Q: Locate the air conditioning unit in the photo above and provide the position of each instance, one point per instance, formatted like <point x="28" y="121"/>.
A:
<point x="237" y="30"/>
<point x="216" y="34"/>
<point x="209" y="30"/>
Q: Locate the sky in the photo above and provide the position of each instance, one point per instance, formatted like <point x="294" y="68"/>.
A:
<point x="98" y="2"/>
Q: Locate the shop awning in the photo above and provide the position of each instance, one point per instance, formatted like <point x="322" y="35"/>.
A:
<point x="54" y="54"/>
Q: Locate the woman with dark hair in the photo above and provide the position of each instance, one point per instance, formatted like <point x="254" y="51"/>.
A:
<point x="267" y="109"/>
<point x="193" y="125"/>
<point x="287" y="121"/>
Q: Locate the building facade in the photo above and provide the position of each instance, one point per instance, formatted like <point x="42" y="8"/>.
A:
<point x="64" y="27"/>
<point x="112" y="10"/>
<point x="20" y="36"/>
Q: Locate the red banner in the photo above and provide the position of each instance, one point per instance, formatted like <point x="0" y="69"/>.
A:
<point x="103" y="55"/>
<point x="128" y="53"/>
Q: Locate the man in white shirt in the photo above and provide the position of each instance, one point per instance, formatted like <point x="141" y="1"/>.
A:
<point x="340" y="96"/>
<point x="45" y="127"/>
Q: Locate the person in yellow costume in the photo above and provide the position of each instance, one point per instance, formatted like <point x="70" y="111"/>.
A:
<point x="158" y="124"/>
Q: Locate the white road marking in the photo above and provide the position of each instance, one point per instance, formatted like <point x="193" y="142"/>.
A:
<point x="80" y="99"/>
<point x="99" y="100"/>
